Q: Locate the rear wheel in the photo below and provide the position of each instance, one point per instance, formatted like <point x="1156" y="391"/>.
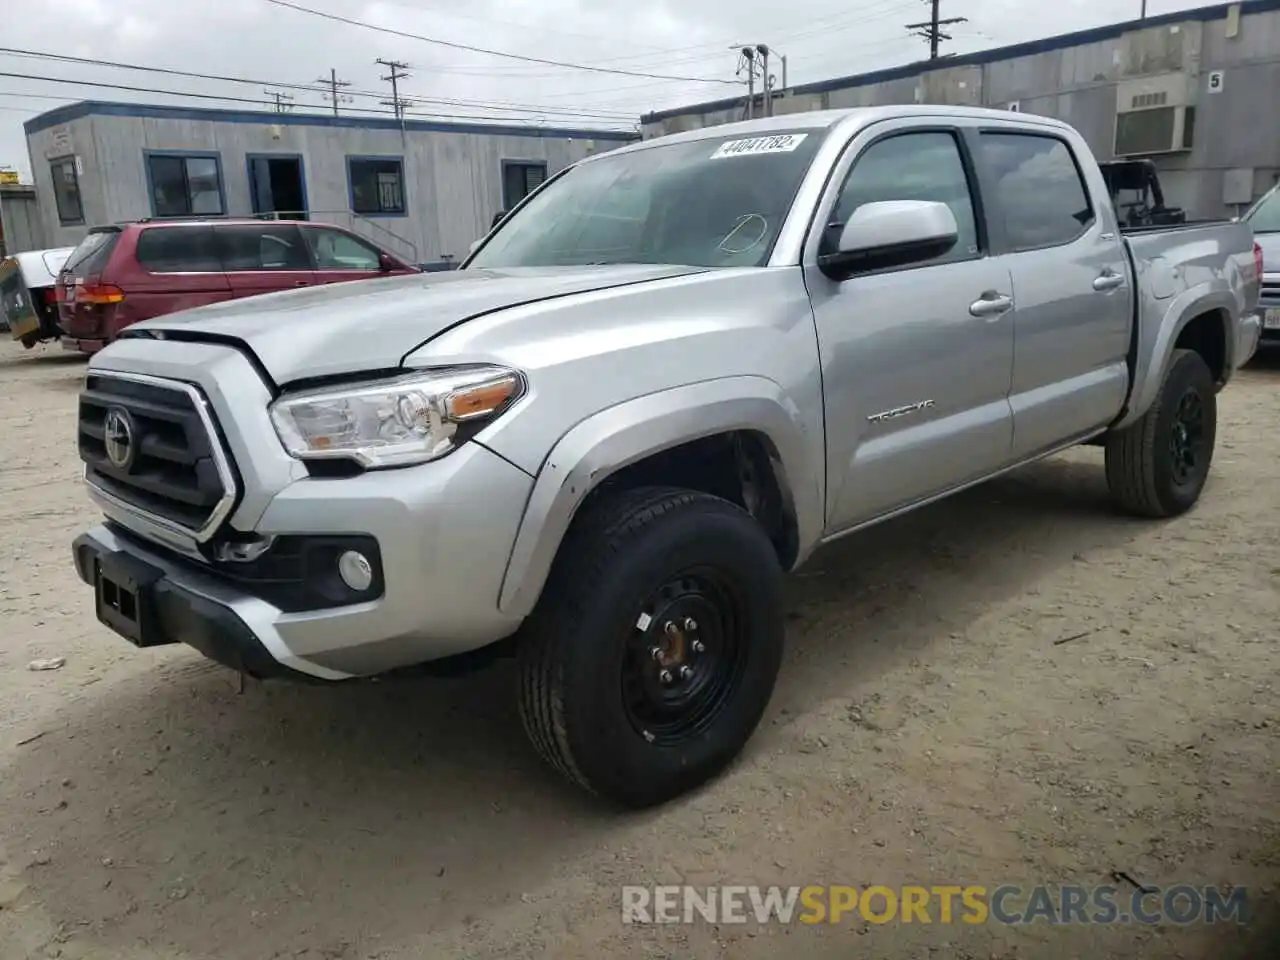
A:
<point x="1157" y="466"/>
<point x="655" y="647"/>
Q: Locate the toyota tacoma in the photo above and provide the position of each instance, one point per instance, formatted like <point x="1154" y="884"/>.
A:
<point x="660" y="382"/>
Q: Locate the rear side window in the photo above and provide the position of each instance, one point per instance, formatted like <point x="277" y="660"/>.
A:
<point x="1039" y="189"/>
<point x="267" y="247"/>
<point x="92" y="253"/>
<point x="178" y="250"/>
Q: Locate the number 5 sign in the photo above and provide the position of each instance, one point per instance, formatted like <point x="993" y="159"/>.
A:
<point x="1215" y="81"/>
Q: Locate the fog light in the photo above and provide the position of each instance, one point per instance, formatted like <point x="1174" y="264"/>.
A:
<point x="355" y="570"/>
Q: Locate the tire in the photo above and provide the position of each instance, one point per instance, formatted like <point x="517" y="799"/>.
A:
<point x="1149" y="470"/>
<point x="591" y="692"/>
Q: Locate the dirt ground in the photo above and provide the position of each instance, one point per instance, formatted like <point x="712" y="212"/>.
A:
<point x="926" y="729"/>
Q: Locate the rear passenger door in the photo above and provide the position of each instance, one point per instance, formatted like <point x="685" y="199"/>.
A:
<point x="339" y="256"/>
<point x="263" y="258"/>
<point x="1070" y="281"/>
<point x="178" y="267"/>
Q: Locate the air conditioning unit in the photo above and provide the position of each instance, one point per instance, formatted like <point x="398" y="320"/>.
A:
<point x="1154" y="115"/>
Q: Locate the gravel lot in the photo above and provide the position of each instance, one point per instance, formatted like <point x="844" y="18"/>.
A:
<point x="927" y="729"/>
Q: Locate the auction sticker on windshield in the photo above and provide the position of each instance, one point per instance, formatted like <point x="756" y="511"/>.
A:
<point x="782" y="143"/>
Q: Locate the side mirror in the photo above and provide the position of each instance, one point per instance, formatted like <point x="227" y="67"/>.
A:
<point x="386" y="264"/>
<point x="890" y="233"/>
<point x="497" y="218"/>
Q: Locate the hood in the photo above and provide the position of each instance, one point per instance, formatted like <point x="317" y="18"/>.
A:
<point x="374" y="324"/>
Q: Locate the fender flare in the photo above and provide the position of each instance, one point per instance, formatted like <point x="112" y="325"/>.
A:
<point x="612" y="439"/>
<point x="1148" y="377"/>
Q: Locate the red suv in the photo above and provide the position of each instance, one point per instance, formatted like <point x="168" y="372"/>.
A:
<point x="120" y="275"/>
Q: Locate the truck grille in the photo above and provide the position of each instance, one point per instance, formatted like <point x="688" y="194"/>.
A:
<point x="1270" y="295"/>
<point x="152" y="446"/>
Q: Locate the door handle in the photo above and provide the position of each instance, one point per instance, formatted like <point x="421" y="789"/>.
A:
<point x="1108" y="281"/>
<point x="991" y="305"/>
<point x="302" y="283"/>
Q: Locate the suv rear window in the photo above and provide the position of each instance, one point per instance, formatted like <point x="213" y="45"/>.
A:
<point x="93" y="252"/>
<point x="178" y="250"/>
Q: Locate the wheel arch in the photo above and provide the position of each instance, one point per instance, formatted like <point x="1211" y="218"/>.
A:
<point x="1200" y="320"/>
<point x="662" y="438"/>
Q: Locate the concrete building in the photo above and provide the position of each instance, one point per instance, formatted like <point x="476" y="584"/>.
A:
<point x="1197" y="91"/>
<point x="421" y="189"/>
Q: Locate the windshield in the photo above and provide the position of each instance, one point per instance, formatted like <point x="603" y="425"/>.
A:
<point x="1265" y="217"/>
<point x="707" y="203"/>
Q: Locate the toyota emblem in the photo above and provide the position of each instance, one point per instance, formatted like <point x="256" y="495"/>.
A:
<point x="117" y="437"/>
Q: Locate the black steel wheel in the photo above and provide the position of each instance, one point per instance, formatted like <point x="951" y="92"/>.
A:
<point x="655" y="646"/>
<point x="684" y="657"/>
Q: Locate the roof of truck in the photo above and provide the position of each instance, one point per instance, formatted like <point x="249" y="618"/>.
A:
<point x="825" y="119"/>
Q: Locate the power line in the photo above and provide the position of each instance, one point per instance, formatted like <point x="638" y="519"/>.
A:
<point x="232" y="99"/>
<point x="309" y="88"/>
<point x="931" y="30"/>
<point x="484" y="50"/>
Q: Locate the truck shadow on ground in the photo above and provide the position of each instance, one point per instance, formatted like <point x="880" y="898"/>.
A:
<point x="172" y="809"/>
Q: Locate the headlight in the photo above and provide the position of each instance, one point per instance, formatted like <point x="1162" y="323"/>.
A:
<point x="391" y="423"/>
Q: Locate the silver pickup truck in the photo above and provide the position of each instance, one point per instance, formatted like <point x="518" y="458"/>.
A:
<point x="661" y="381"/>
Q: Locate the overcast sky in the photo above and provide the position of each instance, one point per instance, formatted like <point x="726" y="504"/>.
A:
<point x="259" y="41"/>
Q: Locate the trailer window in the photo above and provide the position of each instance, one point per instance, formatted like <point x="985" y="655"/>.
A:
<point x="66" y="191"/>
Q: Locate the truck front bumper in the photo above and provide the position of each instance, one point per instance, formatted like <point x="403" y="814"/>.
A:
<point x="444" y="533"/>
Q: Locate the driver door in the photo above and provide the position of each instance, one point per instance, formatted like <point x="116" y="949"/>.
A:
<point x="916" y="360"/>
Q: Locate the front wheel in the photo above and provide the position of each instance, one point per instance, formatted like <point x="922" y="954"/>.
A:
<point x="655" y="646"/>
<point x="1158" y="465"/>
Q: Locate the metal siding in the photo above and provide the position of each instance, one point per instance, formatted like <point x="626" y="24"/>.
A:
<point x="452" y="180"/>
<point x="1078" y="83"/>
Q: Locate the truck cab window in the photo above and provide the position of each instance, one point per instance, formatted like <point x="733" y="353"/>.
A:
<point x="1039" y="189"/>
<point x="912" y="166"/>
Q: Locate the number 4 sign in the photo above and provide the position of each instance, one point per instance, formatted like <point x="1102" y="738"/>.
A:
<point x="1215" y="81"/>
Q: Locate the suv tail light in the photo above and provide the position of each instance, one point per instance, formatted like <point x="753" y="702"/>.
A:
<point x="1257" y="257"/>
<point x="100" y="294"/>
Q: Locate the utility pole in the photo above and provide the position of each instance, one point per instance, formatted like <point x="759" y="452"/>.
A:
<point x="932" y="29"/>
<point x="766" y="81"/>
<point x="398" y="72"/>
<point x="1144" y="10"/>
<point x="747" y="60"/>
<point x="280" y="98"/>
<point x="333" y="83"/>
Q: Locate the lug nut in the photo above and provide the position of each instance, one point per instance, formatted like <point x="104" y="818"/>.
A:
<point x="685" y="673"/>
<point x="655" y="653"/>
<point x="671" y="628"/>
<point x="699" y="647"/>
<point x="690" y="624"/>
<point x="665" y="676"/>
